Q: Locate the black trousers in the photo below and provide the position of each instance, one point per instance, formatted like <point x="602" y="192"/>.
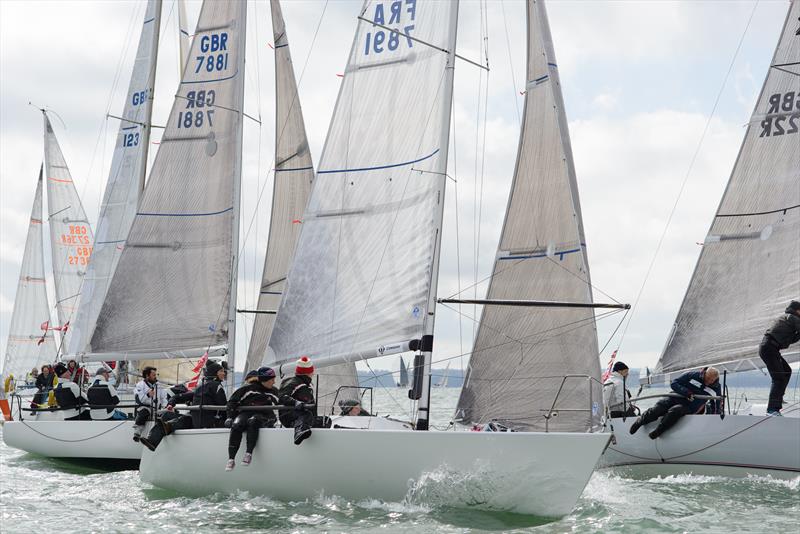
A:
<point x="779" y="371"/>
<point x="251" y="424"/>
<point x="620" y="413"/>
<point x="176" y="422"/>
<point x="142" y="416"/>
<point x="669" y="409"/>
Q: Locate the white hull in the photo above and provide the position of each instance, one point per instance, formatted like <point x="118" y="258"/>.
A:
<point x="530" y="473"/>
<point x="112" y="440"/>
<point x="738" y="445"/>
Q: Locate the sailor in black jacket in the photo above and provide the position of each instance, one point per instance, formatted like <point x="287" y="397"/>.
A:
<point x="784" y="332"/>
<point x="259" y="390"/>
<point x="297" y="391"/>
<point x="705" y="382"/>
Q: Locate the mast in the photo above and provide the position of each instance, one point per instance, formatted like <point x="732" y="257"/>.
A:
<point x="426" y="348"/>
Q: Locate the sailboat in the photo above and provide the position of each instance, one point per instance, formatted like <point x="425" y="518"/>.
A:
<point x="81" y="285"/>
<point x="403" y="383"/>
<point x="747" y="272"/>
<point x="363" y="284"/>
<point x="443" y="382"/>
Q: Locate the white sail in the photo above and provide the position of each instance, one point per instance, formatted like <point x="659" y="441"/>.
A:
<point x="125" y="182"/>
<point x="29" y="345"/>
<point x="172" y="287"/>
<point x="364" y="264"/>
<point x="294" y="174"/>
<point x="522" y="353"/>
<point x="184" y="38"/>
<point x="749" y="267"/>
<point x="70" y="233"/>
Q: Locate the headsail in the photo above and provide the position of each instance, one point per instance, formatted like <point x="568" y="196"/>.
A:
<point x="403" y="374"/>
<point x="521" y="354"/>
<point x="362" y="270"/>
<point x="125" y="182"/>
<point x="749" y="267"/>
<point x="171" y="291"/>
<point x="70" y="234"/>
<point x="30" y="342"/>
<point x="294" y="174"/>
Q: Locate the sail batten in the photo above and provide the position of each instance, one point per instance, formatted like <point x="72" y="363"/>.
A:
<point x="172" y="287"/>
<point x="30" y="341"/>
<point x="521" y="354"/>
<point x="749" y="267"/>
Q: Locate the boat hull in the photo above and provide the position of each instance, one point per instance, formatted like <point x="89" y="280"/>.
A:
<point x="112" y="440"/>
<point x="531" y="473"/>
<point x="739" y="445"/>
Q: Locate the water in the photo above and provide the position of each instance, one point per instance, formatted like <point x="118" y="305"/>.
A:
<point x="36" y="494"/>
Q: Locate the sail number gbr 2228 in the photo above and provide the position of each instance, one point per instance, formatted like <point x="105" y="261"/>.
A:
<point x="783" y="115"/>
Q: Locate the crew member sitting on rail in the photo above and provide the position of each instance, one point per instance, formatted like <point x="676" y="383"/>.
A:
<point x="352" y="407"/>
<point x="259" y="390"/>
<point x="704" y="382"/>
<point x="783" y="332"/>
<point x="297" y="391"/>
<point x="101" y="393"/>
<point x="210" y="393"/>
<point x="68" y="395"/>
<point x="150" y="396"/>
<point x="615" y="395"/>
<point x="44" y="384"/>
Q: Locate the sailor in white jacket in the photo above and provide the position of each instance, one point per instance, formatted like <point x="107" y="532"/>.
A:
<point x="613" y="391"/>
<point x="150" y="396"/>
<point x="102" y="393"/>
<point x="68" y="395"/>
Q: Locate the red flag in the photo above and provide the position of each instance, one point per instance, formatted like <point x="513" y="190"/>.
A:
<point x="610" y="366"/>
<point x="45" y="326"/>
<point x="200" y="363"/>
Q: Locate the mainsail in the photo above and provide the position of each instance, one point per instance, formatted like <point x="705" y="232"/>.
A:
<point x="749" y="267"/>
<point x="30" y="341"/>
<point x="172" y="289"/>
<point x="125" y="182"/>
<point x="364" y="264"/>
<point x="70" y="234"/>
<point x="521" y="353"/>
<point x="294" y="174"/>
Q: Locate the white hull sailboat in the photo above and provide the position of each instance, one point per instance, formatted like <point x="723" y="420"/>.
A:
<point x="530" y="473"/>
<point x="98" y="440"/>
<point x="748" y="271"/>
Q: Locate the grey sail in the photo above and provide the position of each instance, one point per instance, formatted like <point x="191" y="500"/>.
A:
<point x="71" y="236"/>
<point x="171" y="292"/>
<point x="125" y="182"/>
<point x="749" y="266"/>
<point x="362" y="271"/>
<point x="403" y="374"/>
<point x="30" y="342"/>
<point x="521" y="354"/>
<point x="294" y="174"/>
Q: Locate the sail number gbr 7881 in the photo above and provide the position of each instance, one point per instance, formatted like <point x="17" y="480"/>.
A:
<point x="783" y="115"/>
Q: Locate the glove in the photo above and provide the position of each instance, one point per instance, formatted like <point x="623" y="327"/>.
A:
<point x="228" y="422"/>
<point x="690" y="397"/>
<point x="299" y="405"/>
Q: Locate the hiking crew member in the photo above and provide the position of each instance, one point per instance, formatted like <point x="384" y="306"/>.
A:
<point x="615" y="395"/>
<point x="297" y="391"/>
<point x="68" y="395"/>
<point x="44" y="383"/>
<point x="149" y="396"/>
<point x="783" y="332"/>
<point x="259" y="390"/>
<point x="705" y="382"/>
<point x="210" y="393"/>
<point x="100" y="392"/>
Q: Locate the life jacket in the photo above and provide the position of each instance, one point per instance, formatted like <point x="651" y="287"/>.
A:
<point x="98" y="393"/>
<point x="65" y="397"/>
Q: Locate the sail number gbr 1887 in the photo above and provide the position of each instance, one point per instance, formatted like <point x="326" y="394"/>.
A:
<point x="783" y="115"/>
<point x="390" y="13"/>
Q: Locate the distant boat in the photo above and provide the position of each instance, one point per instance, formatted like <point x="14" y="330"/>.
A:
<point x="403" y="374"/>
<point x="443" y="382"/>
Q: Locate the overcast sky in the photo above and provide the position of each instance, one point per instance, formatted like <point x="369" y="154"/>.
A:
<point x="640" y="79"/>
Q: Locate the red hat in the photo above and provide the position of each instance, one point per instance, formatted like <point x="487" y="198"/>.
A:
<point x="304" y="366"/>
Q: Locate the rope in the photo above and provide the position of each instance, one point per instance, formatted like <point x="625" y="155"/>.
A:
<point x="75" y="440"/>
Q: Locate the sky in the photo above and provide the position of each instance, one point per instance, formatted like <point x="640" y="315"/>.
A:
<point x="640" y="81"/>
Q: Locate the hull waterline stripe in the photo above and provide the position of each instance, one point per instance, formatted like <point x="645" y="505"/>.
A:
<point x="379" y="167"/>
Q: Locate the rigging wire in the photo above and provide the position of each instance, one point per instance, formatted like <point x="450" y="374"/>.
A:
<point x="687" y="175"/>
<point x="511" y="64"/>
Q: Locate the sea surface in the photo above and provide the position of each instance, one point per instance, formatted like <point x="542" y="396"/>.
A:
<point x="44" y="495"/>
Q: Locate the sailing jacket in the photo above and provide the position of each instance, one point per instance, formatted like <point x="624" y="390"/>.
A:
<point x="613" y="391"/>
<point x="101" y="392"/>
<point x="254" y="394"/>
<point x="297" y="388"/>
<point x="785" y="330"/>
<point x="210" y="393"/>
<point x="691" y="383"/>
<point x="143" y="399"/>
<point x="45" y="383"/>
<point x="69" y="398"/>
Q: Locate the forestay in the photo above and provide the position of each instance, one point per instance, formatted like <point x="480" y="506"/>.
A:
<point x="70" y="233"/>
<point x="294" y="174"/>
<point x="172" y="287"/>
<point x="125" y="182"/>
<point x="749" y="267"/>
<point x="363" y="265"/>
<point x="522" y="353"/>
<point x="30" y="342"/>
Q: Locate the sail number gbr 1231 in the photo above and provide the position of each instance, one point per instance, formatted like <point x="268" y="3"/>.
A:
<point x="783" y="115"/>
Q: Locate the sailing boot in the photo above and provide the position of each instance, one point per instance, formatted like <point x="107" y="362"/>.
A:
<point x="247" y="458"/>
<point x="147" y="443"/>
<point x="636" y="425"/>
<point x="301" y="433"/>
<point x="137" y="432"/>
<point x="230" y="464"/>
